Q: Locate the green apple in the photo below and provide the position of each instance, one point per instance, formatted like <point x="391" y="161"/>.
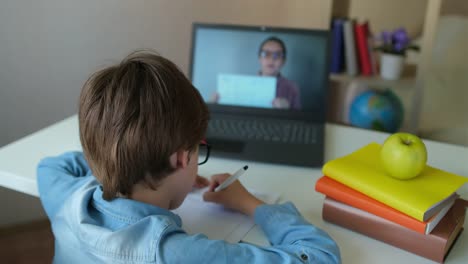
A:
<point x="403" y="155"/>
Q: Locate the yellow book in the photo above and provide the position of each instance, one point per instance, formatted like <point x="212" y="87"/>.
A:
<point x="420" y="197"/>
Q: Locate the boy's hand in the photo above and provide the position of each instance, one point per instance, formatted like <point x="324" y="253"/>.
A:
<point x="200" y="182"/>
<point x="235" y="196"/>
<point x="281" y="103"/>
<point x="214" y="97"/>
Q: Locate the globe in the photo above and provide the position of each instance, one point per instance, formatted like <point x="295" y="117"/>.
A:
<point x="378" y="110"/>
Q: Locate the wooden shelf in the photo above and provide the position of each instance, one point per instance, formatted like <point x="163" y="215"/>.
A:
<point x="343" y="91"/>
<point x="419" y="18"/>
<point x="408" y="78"/>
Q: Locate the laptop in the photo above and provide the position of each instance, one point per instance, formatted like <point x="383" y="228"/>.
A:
<point x="266" y="91"/>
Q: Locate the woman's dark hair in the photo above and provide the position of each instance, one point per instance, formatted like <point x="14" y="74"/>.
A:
<point x="273" y="39"/>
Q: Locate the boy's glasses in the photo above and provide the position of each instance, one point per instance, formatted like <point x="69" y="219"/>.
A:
<point x="275" y="55"/>
<point x="203" y="152"/>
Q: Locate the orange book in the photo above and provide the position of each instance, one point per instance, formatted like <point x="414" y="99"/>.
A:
<point x="346" y="195"/>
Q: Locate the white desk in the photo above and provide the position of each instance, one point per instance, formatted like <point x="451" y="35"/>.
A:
<point x="18" y="162"/>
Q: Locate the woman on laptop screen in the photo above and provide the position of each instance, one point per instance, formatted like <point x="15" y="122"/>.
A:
<point x="272" y="57"/>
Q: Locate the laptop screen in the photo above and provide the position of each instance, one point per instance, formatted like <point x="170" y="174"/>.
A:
<point x="261" y="70"/>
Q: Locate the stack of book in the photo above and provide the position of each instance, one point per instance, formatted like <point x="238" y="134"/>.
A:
<point x="423" y="215"/>
<point x="351" y="47"/>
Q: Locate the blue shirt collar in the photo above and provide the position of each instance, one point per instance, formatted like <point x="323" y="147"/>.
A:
<point x="129" y="210"/>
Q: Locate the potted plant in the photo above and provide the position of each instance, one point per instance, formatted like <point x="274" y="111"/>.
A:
<point x="393" y="46"/>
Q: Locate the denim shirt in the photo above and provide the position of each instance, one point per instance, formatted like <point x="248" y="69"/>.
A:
<point x="89" y="229"/>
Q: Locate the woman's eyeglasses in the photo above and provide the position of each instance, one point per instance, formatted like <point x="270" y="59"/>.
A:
<point x="203" y="152"/>
<point x="275" y="55"/>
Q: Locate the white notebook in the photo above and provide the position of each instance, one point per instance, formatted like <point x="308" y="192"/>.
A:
<point x="214" y="220"/>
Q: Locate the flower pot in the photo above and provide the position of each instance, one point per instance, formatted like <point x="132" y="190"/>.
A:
<point x="391" y="66"/>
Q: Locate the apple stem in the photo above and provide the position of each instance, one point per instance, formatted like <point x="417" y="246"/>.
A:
<point x="407" y="142"/>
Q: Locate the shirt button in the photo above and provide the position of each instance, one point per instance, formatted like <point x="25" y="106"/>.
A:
<point x="304" y="257"/>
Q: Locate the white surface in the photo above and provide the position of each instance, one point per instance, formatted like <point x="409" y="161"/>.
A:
<point x="214" y="220"/>
<point x="18" y="163"/>
<point x="246" y="90"/>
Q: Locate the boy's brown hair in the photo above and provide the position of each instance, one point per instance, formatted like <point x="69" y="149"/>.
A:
<point x="133" y="116"/>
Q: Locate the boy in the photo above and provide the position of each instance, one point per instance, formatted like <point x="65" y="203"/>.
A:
<point x="141" y="123"/>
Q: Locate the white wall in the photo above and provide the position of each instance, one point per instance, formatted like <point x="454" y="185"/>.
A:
<point x="49" y="47"/>
<point x="444" y="113"/>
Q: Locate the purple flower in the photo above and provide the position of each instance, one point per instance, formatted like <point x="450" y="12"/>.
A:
<point x="395" y="42"/>
<point x="400" y="36"/>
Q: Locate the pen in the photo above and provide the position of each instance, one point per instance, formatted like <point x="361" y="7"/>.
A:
<point x="231" y="179"/>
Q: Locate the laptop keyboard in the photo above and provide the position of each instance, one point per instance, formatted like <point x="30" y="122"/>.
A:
<point x="263" y="130"/>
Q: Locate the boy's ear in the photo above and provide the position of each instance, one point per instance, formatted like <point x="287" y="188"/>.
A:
<point x="180" y="159"/>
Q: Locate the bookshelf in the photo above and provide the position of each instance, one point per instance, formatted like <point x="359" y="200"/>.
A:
<point x="419" y="18"/>
<point x="404" y="88"/>
<point x="408" y="78"/>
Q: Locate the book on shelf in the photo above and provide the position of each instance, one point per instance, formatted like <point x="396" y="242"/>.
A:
<point x="337" y="52"/>
<point x="350" y="48"/>
<point x="361" y="31"/>
<point x="346" y="195"/>
<point x="435" y="246"/>
<point x="421" y="197"/>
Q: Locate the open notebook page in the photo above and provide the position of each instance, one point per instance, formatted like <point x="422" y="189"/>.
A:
<point x="214" y="220"/>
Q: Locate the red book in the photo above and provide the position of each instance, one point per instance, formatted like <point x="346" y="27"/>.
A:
<point x="361" y="31"/>
<point x="435" y="246"/>
<point x="349" y="196"/>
